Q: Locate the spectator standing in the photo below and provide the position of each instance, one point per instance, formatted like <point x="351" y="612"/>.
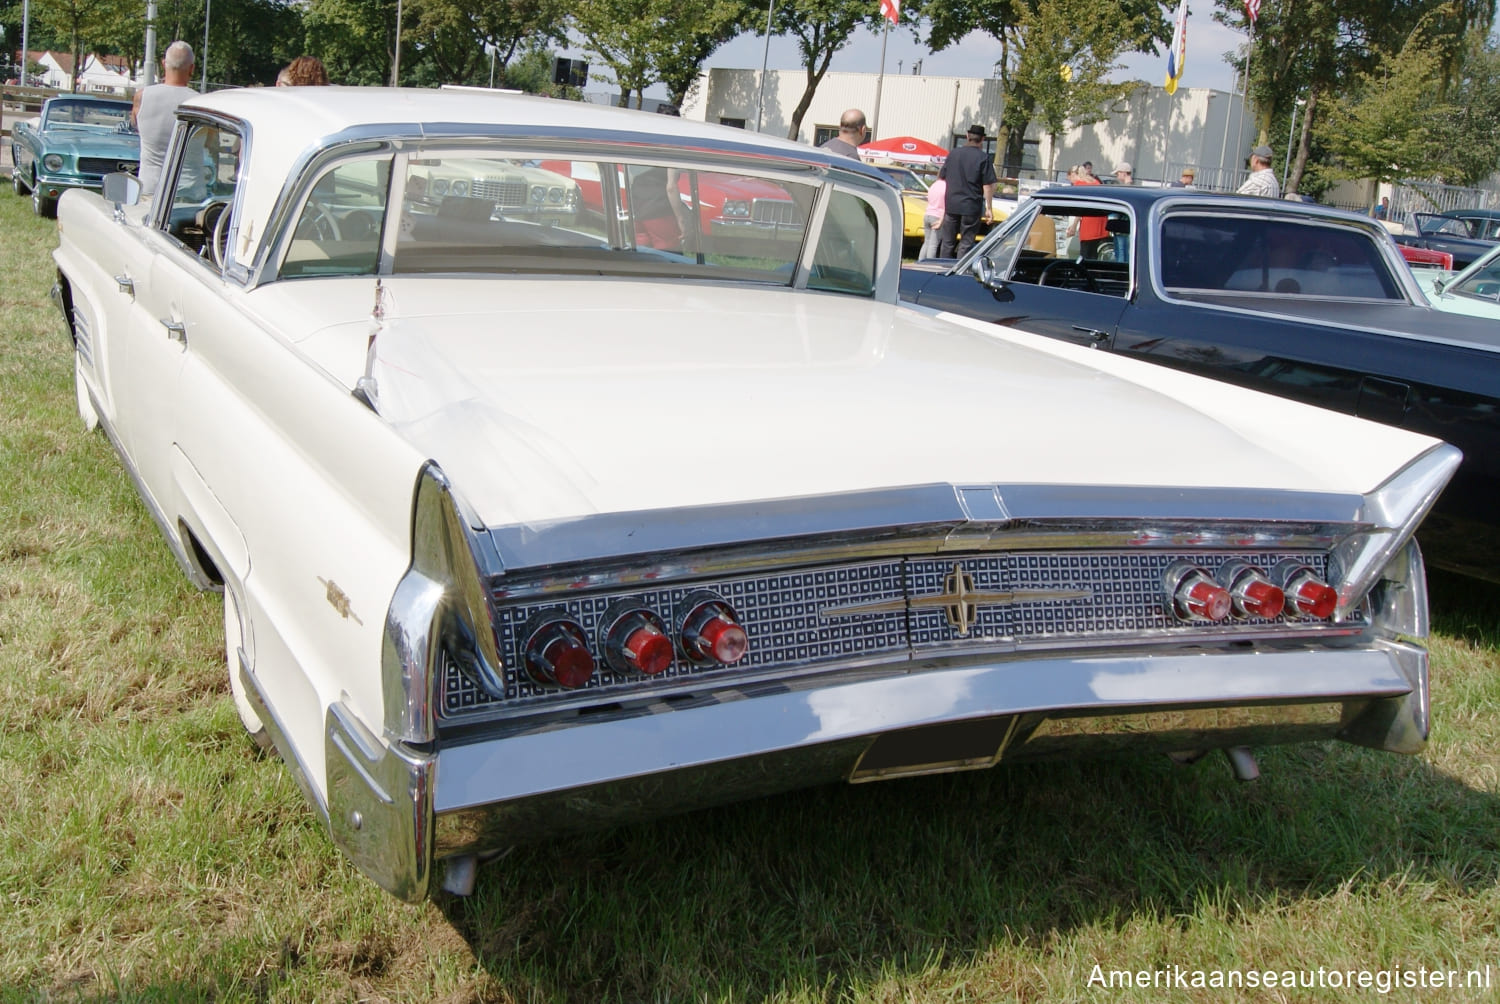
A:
<point x="1262" y="180"/>
<point x="851" y="134"/>
<point x="158" y="111"/>
<point x="1383" y="211"/>
<point x="304" y="71"/>
<point x="932" y="220"/>
<point x="970" y="175"/>
<point x="1088" y="169"/>
<point x="1186" y="179"/>
<point x="1091" y="230"/>
<point x="1125" y="173"/>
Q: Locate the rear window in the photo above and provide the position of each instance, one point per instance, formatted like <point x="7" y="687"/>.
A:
<point x="1232" y="254"/>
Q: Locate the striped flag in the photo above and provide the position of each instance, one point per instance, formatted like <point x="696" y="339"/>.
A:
<point x="891" y="9"/>
<point x="1177" y="54"/>
<point x="1252" y="7"/>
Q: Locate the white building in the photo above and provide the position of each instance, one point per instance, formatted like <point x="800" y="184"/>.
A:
<point x="98" y="75"/>
<point x="1157" y="132"/>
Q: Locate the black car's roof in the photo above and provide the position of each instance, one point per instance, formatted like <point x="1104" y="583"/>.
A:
<point x="1142" y="199"/>
<point x="1487" y="214"/>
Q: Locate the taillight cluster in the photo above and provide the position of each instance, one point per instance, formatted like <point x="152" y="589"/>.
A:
<point x="632" y="639"/>
<point x="1243" y="591"/>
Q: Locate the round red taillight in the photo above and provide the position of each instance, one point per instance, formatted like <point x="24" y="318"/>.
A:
<point x="1195" y="596"/>
<point x="634" y="640"/>
<point x="1251" y="590"/>
<point x="1307" y="594"/>
<point x="711" y="632"/>
<point x="557" y="652"/>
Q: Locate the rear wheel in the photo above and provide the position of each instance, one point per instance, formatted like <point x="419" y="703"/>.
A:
<point x="233" y="637"/>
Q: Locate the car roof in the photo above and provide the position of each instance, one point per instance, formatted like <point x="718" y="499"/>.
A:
<point x="289" y="124"/>
<point x="1486" y="214"/>
<point x="1143" y="199"/>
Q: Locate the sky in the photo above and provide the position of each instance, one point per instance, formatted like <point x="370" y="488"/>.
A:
<point x="976" y="54"/>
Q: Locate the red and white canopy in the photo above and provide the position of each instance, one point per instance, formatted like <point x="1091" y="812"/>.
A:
<point x="906" y="149"/>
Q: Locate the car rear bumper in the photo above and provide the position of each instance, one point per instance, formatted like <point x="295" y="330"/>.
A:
<point x="398" y="809"/>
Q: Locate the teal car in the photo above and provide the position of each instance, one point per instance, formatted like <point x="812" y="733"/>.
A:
<point x="74" y="143"/>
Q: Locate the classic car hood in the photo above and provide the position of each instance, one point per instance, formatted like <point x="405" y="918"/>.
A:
<point x="126" y="146"/>
<point x="650" y="399"/>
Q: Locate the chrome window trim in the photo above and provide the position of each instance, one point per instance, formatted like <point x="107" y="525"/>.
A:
<point x="161" y="203"/>
<point x="1036" y="206"/>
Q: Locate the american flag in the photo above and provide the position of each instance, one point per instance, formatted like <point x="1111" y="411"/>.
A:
<point x="891" y="9"/>
<point x="1252" y="7"/>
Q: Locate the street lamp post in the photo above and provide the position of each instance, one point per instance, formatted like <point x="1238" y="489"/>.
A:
<point x="207" y="7"/>
<point x="765" y="56"/>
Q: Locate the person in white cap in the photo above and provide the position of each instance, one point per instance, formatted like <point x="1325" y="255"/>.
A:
<point x="1125" y="173"/>
<point x="1262" y="180"/>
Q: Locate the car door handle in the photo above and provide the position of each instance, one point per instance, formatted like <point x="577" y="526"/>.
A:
<point x="176" y="330"/>
<point x="126" y="284"/>
<point x="1095" y="335"/>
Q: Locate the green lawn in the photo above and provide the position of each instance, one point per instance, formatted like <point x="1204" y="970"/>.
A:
<point x="149" y="853"/>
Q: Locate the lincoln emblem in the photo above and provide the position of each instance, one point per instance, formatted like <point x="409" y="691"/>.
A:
<point x="959" y="599"/>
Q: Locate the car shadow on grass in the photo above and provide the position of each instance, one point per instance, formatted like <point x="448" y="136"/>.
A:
<point x="825" y="892"/>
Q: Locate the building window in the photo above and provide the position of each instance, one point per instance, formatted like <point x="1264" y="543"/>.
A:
<point x="1030" y="156"/>
<point x="732" y="123"/>
<point x="823" y="133"/>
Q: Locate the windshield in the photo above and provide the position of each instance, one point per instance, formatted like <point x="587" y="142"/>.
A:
<point x="84" y="114"/>
<point x="1482" y="281"/>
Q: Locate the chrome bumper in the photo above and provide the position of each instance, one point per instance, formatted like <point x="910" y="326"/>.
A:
<point x="397" y="808"/>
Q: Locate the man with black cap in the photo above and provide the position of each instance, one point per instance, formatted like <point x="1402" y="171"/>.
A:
<point x="970" y="175"/>
<point x="1262" y="180"/>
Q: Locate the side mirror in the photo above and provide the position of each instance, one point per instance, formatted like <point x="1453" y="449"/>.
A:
<point x="122" y="189"/>
<point x="1438" y="284"/>
<point x="984" y="271"/>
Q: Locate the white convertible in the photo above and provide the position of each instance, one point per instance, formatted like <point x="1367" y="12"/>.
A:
<point x="528" y="522"/>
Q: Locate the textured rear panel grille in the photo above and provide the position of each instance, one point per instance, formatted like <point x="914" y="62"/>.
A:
<point x="773" y="211"/>
<point x="814" y="617"/>
<point x="83" y="338"/>
<point x="105" y="165"/>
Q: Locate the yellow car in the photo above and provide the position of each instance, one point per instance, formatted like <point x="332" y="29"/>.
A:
<point x="913" y="198"/>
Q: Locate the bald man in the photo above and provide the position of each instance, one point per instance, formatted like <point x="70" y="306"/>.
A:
<point x="158" y="112"/>
<point x="851" y="134"/>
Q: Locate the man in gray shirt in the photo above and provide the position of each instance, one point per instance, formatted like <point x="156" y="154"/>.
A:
<point x="851" y="134"/>
<point x="158" y="111"/>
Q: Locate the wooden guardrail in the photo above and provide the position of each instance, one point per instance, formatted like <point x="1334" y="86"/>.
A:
<point x="18" y="102"/>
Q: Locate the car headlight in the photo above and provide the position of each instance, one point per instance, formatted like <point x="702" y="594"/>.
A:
<point x="439" y="186"/>
<point x="460" y="188"/>
<point x="737" y="208"/>
<point x="538" y="193"/>
<point x="554" y="194"/>
<point x="52" y="162"/>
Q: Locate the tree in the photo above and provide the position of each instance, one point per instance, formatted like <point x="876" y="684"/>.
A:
<point x="1066" y="50"/>
<point x="458" y="35"/>
<point x="649" y="41"/>
<point x="356" y="39"/>
<point x="1469" y="133"/>
<point x="83" y="23"/>
<point x="822" y="28"/>
<point x="1140" y="24"/>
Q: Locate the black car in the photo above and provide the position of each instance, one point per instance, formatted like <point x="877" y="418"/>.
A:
<point x="1299" y="300"/>
<point x="1466" y="234"/>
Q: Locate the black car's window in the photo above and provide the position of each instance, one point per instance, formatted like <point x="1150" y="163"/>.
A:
<point x="200" y="198"/>
<point x="1235" y="254"/>
<point x="1084" y="248"/>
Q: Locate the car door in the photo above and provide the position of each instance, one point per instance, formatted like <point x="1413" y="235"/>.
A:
<point x="1276" y="303"/>
<point x="1021" y="276"/>
<point x="176" y="258"/>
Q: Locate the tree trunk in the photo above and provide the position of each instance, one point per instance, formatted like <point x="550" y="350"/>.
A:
<point x="1304" y="141"/>
<point x="814" y="78"/>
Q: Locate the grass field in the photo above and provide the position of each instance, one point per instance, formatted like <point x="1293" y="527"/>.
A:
<point x="149" y="853"/>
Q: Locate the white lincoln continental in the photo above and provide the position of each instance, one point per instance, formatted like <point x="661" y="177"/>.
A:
<point x="562" y="504"/>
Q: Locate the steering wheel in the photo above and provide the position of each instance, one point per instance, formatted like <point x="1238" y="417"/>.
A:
<point x="214" y="223"/>
<point x="318" y="223"/>
<point x="1066" y="273"/>
<point x="220" y="240"/>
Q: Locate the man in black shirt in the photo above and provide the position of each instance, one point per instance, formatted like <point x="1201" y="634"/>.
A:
<point x="971" y="184"/>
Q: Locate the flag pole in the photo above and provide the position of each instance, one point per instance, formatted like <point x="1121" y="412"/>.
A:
<point x="765" y="56"/>
<point x="885" y="33"/>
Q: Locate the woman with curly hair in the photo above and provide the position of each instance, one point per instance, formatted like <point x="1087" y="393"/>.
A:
<point x="304" y="71"/>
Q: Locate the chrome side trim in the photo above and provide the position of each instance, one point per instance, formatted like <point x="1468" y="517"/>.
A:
<point x="972" y="512"/>
<point x="778" y="719"/>
<point x="277" y="733"/>
<point x="175" y="543"/>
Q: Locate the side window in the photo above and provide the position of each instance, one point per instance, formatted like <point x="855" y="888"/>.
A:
<point x="845" y="259"/>
<point x="338" y="231"/>
<point x="1282" y="257"/>
<point x="1003" y="251"/>
<point x="203" y="183"/>
<point x="1069" y="247"/>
